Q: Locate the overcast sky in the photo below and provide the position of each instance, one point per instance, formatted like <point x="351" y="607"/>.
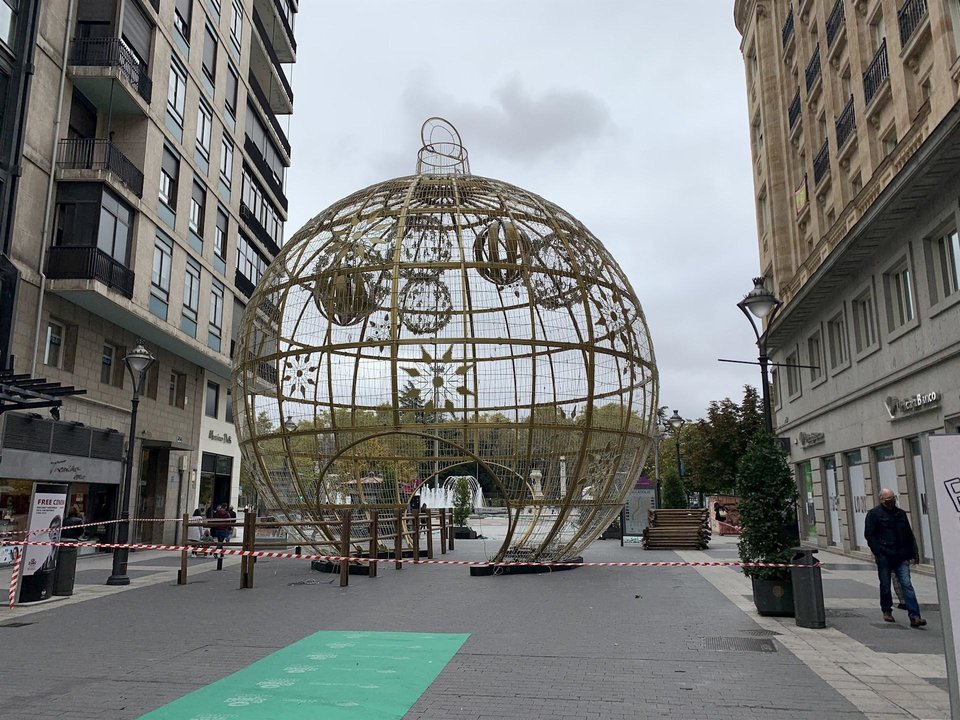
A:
<point x="629" y="114"/>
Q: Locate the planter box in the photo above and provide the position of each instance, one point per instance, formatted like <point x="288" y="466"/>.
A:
<point x="773" y="597"/>
<point x="464" y="533"/>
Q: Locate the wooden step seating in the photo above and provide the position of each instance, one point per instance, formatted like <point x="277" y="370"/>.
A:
<point x="677" y="530"/>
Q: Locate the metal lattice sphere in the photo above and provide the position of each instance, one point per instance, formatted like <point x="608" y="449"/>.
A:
<point x="445" y="324"/>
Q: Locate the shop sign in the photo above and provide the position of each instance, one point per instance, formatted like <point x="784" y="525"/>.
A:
<point x="221" y="437"/>
<point x="898" y="408"/>
<point x="811" y="439"/>
<point x="27" y="465"/>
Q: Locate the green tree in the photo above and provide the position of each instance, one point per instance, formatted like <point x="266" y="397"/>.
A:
<point x="673" y="493"/>
<point x="767" y="500"/>
<point x="462" y="502"/>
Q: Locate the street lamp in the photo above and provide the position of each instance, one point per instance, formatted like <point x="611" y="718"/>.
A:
<point x="761" y="303"/>
<point x="137" y="362"/>
<point x="676" y="422"/>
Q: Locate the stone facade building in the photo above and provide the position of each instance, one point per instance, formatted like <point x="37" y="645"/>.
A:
<point x="151" y="198"/>
<point x="855" y="134"/>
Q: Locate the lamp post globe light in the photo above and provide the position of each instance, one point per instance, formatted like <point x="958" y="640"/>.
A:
<point x="761" y="303"/>
<point x="138" y="361"/>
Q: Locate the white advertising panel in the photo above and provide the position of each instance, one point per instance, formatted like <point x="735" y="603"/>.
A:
<point x="46" y="518"/>
<point x="941" y="457"/>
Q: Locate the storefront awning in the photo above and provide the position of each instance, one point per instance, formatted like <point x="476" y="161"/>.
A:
<point x="22" y="392"/>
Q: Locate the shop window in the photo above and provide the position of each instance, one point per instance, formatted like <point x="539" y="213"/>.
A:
<point x="212" y="400"/>
<point x="53" y="348"/>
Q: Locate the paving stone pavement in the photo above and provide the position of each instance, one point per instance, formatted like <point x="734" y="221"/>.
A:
<point x="595" y="643"/>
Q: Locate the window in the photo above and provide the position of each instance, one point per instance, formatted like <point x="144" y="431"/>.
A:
<point x="889" y="141"/>
<point x="107" y="358"/>
<point x="226" y="160"/>
<point x="943" y="258"/>
<point x="236" y="24"/>
<point x="204" y="127"/>
<point x="837" y="341"/>
<point x="177" y="91"/>
<point x="209" y="54"/>
<point x="169" y="176"/>
<point x="162" y="259"/>
<point x="220" y="238"/>
<point x="250" y="262"/>
<point x="899" y="292"/>
<point x="228" y="408"/>
<point x="864" y="326"/>
<point x="233" y="82"/>
<point x="878" y="32"/>
<point x="198" y="204"/>
<point x="793" y="374"/>
<point x="216" y="315"/>
<point x="258" y="136"/>
<point x="177" y="389"/>
<point x="256" y="200"/>
<point x="764" y="211"/>
<point x="815" y="356"/>
<point x="8" y="23"/>
<point x="212" y="399"/>
<point x="53" y="348"/>
<point x="114" y="229"/>
<point x="191" y="297"/>
<point x="181" y="18"/>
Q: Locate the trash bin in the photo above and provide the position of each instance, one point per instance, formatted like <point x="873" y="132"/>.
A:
<point x="35" y="587"/>
<point x="807" y="589"/>
<point x="65" y="573"/>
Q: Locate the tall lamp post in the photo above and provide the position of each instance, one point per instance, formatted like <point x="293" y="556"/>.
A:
<point x="137" y="361"/>
<point x="761" y="303"/>
<point x="676" y="422"/>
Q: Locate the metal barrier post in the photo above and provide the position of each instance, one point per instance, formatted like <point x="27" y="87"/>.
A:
<point x="416" y="536"/>
<point x="429" y="533"/>
<point x="182" y="575"/>
<point x="345" y="548"/>
<point x="398" y="541"/>
<point x="374" y="545"/>
<point x="450" y="534"/>
<point x="443" y="531"/>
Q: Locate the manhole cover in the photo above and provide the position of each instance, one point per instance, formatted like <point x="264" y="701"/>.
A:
<point x="735" y="644"/>
<point x="15" y="624"/>
<point x="763" y="633"/>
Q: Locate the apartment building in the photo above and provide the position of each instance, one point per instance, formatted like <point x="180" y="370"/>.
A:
<point x="855" y="134"/>
<point x="151" y="198"/>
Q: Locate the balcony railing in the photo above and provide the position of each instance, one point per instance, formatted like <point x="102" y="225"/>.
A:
<point x="265" y="170"/>
<point x="89" y="263"/>
<point x="97" y="154"/>
<point x="286" y="24"/>
<point x="821" y="163"/>
<point x="253" y="224"/>
<point x="787" y="32"/>
<point x="813" y="68"/>
<point x="265" y="104"/>
<point x="793" y="112"/>
<point x="846" y="124"/>
<point x="876" y="74"/>
<point x="243" y="284"/>
<point x="909" y="18"/>
<point x="111" y="52"/>
<point x="835" y="22"/>
<point x="278" y="67"/>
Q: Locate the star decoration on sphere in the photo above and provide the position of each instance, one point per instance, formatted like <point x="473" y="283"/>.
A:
<point x="437" y="381"/>
<point x="299" y="373"/>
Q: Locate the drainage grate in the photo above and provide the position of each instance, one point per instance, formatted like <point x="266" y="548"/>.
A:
<point x="763" y="633"/>
<point x="735" y="644"/>
<point x="15" y="624"/>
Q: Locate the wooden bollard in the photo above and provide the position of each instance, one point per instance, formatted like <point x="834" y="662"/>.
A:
<point x="416" y="536"/>
<point x="443" y="532"/>
<point x="450" y="534"/>
<point x="182" y="575"/>
<point x="398" y="542"/>
<point x="374" y="545"/>
<point x="345" y="548"/>
<point x="429" y="533"/>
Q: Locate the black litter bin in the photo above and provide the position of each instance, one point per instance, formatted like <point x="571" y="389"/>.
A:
<point x="807" y="589"/>
<point x="65" y="574"/>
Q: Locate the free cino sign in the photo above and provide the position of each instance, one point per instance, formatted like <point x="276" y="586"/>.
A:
<point x="941" y="470"/>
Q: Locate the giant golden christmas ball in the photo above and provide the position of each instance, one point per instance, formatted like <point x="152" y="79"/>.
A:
<point x="446" y="324"/>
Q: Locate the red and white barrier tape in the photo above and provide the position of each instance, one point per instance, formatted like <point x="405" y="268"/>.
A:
<point x="27" y="533"/>
<point x="214" y="551"/>
<point x="14" y="578"/>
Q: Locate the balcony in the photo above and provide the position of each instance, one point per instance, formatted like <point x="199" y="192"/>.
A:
<point x="786" y="33"/>
<point x="846" y="124"/>
<point x="821" y="163"/>
<point x="243" y="284"/>
<point x="793" y="112"/>
<point x="101" y="157"/>
<point x="67" y="262"/>
<point x="265" y="171"/>
<point x="266" y="66"/>
<point x="265" y="104"/>
<point x="909" y="18"/>
<point x="876" y="74"/>
<point x="836" y="23"/>
<point x="279" y="34"/>
<point x="812" y="73"/>
<point x="253" y="224"/>
<point x="96" y="62"/>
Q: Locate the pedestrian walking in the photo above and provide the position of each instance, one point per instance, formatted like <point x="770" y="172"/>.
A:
<point x="891" y="539"/>
<point x="222" y="532"/>
<point x="194" y="531"/>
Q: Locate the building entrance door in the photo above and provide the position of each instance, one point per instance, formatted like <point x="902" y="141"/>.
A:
<point x="833" y="499"/>
<point x="153" y="494"/>
<point x="858" y="498"/>
<point x="920" y="489"/>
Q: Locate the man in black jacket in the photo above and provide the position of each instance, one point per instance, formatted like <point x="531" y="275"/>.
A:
<point x="891" y="539"/>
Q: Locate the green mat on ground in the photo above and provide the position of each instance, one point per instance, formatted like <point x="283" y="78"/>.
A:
<point x="336" y="675"/>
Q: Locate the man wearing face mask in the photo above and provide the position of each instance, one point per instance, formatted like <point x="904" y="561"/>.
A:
<point x="891" y="539"/>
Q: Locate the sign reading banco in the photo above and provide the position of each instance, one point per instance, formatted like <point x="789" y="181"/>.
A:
<point x="898" y="408"/>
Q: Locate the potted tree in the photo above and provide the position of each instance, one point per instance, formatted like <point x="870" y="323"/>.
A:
<point x="768" y="498"/>
<point x="462" y="507"/>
